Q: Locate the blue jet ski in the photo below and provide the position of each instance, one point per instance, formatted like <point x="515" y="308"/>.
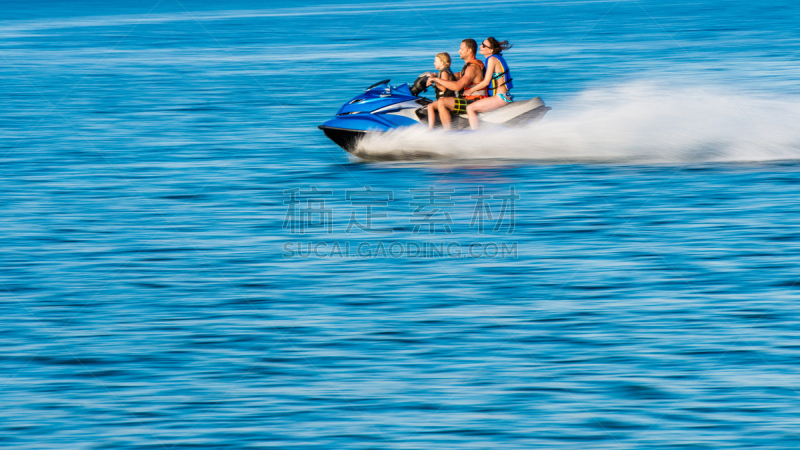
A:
<point x="383" y="108"/>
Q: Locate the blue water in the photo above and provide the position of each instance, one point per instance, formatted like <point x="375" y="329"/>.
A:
<point x="640" y="291"/>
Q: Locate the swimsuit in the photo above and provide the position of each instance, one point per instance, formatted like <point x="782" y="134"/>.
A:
<point x="507" y="97"/>
<point x="461" y="105"/>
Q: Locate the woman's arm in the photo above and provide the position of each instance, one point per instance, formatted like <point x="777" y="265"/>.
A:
<point x="487" y="79"/>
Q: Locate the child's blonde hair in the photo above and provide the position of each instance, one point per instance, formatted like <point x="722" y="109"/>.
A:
<point x="445" y="57"/>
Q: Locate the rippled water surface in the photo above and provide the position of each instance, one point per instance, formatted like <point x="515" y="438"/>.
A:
<point x="634" y="285"/>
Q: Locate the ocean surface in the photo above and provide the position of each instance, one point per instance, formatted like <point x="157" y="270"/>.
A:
<point x="187" y="261"/>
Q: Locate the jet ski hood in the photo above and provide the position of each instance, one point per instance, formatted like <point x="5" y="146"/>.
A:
<point x="377" y="97"/>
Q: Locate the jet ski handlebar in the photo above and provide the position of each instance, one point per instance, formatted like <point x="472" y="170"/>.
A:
<point x="421" y="83"/>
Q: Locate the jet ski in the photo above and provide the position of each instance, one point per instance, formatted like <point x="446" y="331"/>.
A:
<point x="383" y="108"/>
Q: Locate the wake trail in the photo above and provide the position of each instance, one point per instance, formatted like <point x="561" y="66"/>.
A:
<point x="638" y="123"/>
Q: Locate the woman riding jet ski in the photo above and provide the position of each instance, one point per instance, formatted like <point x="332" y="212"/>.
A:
<point x="383" y="108"/>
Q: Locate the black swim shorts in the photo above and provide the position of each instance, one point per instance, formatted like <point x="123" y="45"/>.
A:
<point x="461" y="105"/>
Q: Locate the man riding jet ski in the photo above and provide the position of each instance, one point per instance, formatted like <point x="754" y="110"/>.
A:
<point x="383" y="108"/>
<point x="457" y="102"/>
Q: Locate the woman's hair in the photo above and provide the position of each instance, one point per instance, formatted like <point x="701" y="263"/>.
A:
<point x="445" y="57"/>
<point x="497" y="46"/>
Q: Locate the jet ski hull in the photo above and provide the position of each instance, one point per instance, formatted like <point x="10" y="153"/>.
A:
<point x="382" y="108"/>
<point x="347" y="139"/>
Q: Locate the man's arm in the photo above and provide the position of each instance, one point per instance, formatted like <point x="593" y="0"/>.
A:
<point x="458" y="85"/>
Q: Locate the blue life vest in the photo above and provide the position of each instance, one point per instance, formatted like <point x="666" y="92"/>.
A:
<point x="494" y="84"/>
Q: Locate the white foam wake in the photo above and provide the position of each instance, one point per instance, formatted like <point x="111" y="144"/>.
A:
<point x="631" y="123"/>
